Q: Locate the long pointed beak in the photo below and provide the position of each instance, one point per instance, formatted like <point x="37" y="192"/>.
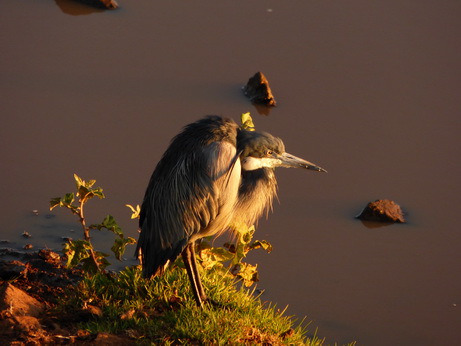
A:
<point x="291" y="161"/>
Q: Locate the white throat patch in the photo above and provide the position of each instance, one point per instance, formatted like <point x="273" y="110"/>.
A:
<point x="252" y="163"/>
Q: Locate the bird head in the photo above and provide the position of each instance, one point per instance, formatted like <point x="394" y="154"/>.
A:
<point x="262" y="150"/>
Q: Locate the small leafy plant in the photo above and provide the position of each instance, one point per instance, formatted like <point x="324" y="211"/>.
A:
<point x="247" y="122"/>
<point x="81" y="250"/>
<point x="234" y="253"/>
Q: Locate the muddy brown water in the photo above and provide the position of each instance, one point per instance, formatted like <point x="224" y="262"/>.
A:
<point x="368" y="90"/>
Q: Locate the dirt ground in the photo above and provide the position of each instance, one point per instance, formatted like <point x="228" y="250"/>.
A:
<point x="30" y="288"/>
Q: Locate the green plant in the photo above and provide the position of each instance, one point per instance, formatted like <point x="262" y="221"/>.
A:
<point x="234" y="253"/>
<point x="81" y="250"/>
<point x="247" y="122"/>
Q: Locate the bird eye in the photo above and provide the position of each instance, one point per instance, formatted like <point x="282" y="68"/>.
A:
<point x="269" y="153"/>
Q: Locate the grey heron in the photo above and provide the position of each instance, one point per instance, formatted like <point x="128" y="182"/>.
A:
<point x="212" y="175"/>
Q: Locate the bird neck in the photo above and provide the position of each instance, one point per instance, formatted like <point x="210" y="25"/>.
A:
<point x="256" y="193"/>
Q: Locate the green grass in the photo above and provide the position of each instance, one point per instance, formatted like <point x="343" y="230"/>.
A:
<point x="162" y="311"/>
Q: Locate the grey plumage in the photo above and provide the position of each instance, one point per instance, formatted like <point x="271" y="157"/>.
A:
<point x="212" y="175"/>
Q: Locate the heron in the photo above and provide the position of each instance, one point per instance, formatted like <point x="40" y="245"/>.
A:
<point x="213" y="175"/>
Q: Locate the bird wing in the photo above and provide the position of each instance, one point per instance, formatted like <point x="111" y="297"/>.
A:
<point x="190" y="195"/>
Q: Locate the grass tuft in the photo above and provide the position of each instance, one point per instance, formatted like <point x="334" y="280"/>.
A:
<point x="162" y="310"/>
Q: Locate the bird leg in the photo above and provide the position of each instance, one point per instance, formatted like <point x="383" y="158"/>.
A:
<point x="188" y="256"/>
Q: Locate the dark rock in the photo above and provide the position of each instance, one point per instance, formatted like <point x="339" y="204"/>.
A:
<point x="41" y="274"/>
<point x="382" y="210"/>
<point x="107" y="4"/>
<point x="49" y="256"/>
<point x="12" y="270"/>
<point x="4" y="252"/>
<point x="258" y="90"/>
<point x="94" y="310"/>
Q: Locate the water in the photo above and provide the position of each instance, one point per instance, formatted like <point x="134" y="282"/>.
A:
<point x="367" y="90"/>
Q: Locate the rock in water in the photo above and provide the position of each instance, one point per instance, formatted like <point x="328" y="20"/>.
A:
<point x="382" y="210"/>
<point x="258" y="90"/>
<point x="107" y="4"/>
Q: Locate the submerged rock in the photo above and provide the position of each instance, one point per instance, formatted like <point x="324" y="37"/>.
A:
<point x="382" y="210"/>
<point x="258" y="90"/>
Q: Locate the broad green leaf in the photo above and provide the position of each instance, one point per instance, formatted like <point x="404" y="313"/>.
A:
<point x="247" y="122"/>
<point x="240" y="253"/>
<point x="218" y="254"/>
<point x="135" y="212"/>
<point x="119" y="246"/>
<point x="98" y="193"/>
<point x="78" y="181"/>
<point x="76" y="251"/>
<point x="110" y="224"/>
<point x="261" y="244"/>
<point x="245" y="233"/>
<point x="85" y="189"/>
<point x="102" y="263"/>
<point x="248" y="235"/>
<point x="55" y="202"/>
<point x="211" y="257"/>
<point x="68" y="199"/>
<point x="66" y="202"/>
<point x="248" y="273"/>
<point x="83" y="192"/>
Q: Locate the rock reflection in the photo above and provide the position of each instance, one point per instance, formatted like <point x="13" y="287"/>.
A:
<point x="262" y="109"/>
<point x="75" y="8"/>
<point x="375" y="224"/>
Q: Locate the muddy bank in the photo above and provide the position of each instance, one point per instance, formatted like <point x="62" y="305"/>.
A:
<point x="31" y="286"/>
